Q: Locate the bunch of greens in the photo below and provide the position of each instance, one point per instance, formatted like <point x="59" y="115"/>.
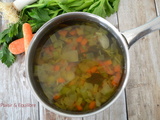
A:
<point x="40" y="12"/>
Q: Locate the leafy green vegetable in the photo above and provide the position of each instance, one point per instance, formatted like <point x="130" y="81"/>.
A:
<point x="13" y="32"/>
<point x="4" y="36"/>
<point x="39" y="17"/>
<point x="43" y="10"/>
<point x="5" y="55"/>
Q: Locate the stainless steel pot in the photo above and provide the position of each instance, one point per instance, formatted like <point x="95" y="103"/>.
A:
<point x="125" y="40"/>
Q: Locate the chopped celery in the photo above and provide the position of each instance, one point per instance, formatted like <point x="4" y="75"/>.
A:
<point x="101" y="57"/>
<point x="88" y="100"/>
<point x="79" y="101"/>
<point x="103" y="31"/>
<point x="73" y="97"/>
<point x="88" y="86"/>
<point x="90" y="56"/>
<point x="80" y="31"/>
<point x="95" y="88"/>
<point x="103" y="39"/>
<point x="83" y="66"/>
<point x="71" y="56"/>
<point x="106" y="90"/>
<point x="65" y="90"/>
<point x="68" y="75"/>
<point x="90" y="96"/>
<point x="84" y="94"/>
<point x="59" y="105"/>
<point x="53" y="38"/>
<point x="68" y="102"/>
<point x="58" y="44"/>
<point x="51" y="80"/>
<point x="57" y="53"/>
<point x="73" y="88"/>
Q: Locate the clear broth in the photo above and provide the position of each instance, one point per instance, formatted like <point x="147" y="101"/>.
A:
<point x="78" y="65"/>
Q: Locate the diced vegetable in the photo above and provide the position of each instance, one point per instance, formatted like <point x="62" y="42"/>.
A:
<point x="73" y="32"/>
<point x="63" y="32"/>
<point x="71" y="56"/>
<point x="92" y="105"/>
<point x="56" y="97"/>
<point x="61" y="80"/>
<point x="53" y="38"/>
<point x="79" y="107"/>
<point x="103" y="39"/>
<point x="116" y="80"/>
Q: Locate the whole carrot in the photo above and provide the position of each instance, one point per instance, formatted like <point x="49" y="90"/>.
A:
<point x="27" y="33"/>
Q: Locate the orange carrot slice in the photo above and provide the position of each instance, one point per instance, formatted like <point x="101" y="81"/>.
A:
<point x="27" y="33"/>
<point x="79" y="39"/>
<point x="61" y="80"/>
<point x="79" y="107"/>
<point x="108" y="62"/>
<point x="109" y="70"/>
<point x="63" y="32"/>
<point x="92" y="69"/>
<point x="73" y="32"/>
<point x="56" y="68"/>
<point x="116" y="80"/>
<point x="17" y="46"/>
<point x="92" y="105"/>
<point x="117" y="68"/>
<point x="56" y="97"/>
<point x="84" y="41"/>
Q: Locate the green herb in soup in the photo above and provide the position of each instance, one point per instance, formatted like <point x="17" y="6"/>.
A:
<point x="79" y="66"/>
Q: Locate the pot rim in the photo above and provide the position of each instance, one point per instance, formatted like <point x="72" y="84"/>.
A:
<point x="118" y="36"/>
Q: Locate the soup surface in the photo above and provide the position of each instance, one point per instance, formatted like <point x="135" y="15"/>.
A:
<point x="78" y="65"/>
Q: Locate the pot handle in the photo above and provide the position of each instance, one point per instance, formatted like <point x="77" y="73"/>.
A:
<point x="135" y="34"/>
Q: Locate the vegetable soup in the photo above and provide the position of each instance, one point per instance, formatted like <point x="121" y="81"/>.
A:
<point x="78" y="66"/>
